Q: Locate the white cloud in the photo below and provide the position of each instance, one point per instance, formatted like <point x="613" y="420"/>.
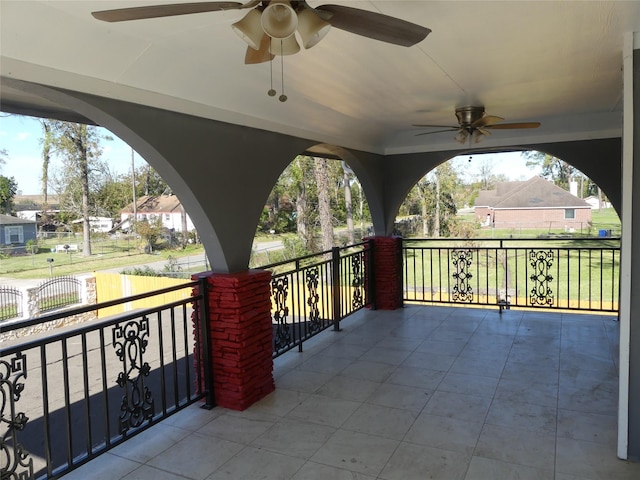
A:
<point x="22" y="136"/>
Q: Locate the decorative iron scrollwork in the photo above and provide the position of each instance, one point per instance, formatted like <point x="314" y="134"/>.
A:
<point x="357" y="283"/>
<point x="311" y="277"/>
<point x="462" y="289"/>
<point x="280" y="291"/>
<point x="130" y="341"/>
<point x="541" y="293"/>
<point x="16" y="463"/>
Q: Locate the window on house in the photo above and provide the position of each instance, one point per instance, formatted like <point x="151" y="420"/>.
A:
<point x="569" y="213"/>
<point x="167" y="216"/>
<point x="13" y="234"/>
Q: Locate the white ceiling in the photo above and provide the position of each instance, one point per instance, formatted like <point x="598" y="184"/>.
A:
<point x="557" y="62"/>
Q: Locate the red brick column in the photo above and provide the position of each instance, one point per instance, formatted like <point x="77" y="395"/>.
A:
<point x="241" y="337"/>
<point x="387" y="271"/>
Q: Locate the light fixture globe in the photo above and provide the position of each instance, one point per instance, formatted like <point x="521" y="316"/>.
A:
<point x="250" y="29"/>
<point x="462" y="136"/>
<point x="285" y="46"/>
<point x="311" y="27"/>
<point x="279" y="19"/>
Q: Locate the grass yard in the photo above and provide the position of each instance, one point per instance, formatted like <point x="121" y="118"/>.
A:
<point x="105" y="256"/>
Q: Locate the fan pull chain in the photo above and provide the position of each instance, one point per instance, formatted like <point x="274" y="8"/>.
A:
<point x="283" y="97"/>
<point x="271" y="91"/>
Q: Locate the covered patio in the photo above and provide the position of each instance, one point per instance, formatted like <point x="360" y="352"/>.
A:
<point x="540" y="390"/>
<point x="419" y="392"/>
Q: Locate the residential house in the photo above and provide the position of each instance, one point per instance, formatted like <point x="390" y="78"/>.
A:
<point x="166" y="207"/>
<point x="30" y="207"/>
<point x="534" y="203"/>
<point x="16" y="232"/>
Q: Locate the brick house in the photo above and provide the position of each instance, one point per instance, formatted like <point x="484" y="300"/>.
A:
<point x="534" y="203"/>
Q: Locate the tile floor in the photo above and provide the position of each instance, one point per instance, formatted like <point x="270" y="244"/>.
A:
<point x="418" y="393"/>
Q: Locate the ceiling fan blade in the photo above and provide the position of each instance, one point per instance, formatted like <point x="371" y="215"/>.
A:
<point x="486" y="121"/>
<point x="509" y="126"/>
<point x="436" y="126"/>
<point x="452" y="129"/>
<point x="263" y="54"/>
<point x="169" y="10"/>
<point x="373" y="25"/>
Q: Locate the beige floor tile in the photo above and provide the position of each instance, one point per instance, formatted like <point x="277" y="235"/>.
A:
<point x="236" y="428"/>
<point x="416" y="377"/>
<point x="507" y="412"/>
<point x="105" y="467"/>
<point x="472" y="408"/>
<point x="253" y="463"/>
<point x="522" y="447"/>
<point x="417" y="462"/>
<point x="400" y="396"/>
<point x="366" y="370"/>
<point x="196" y="456"/>
<point x="146" y="472"/>
<point x="593" y="461"/>
<point x="468" y="384"/>
<point x="324" y="410"/>
<point x="445" y="433"/>
<point x="348" y="388"/>
<point x="489" y="469"/>
<point x="295" y="438"/>
<point x="146" y="445"/>
<point x="385" y="422"/>
<point x="317" y="471"/>
<point x="357" y="452"/>
<point x="590" y="427"/>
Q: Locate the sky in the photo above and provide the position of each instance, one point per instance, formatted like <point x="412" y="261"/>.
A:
<point x="20" y="136"/>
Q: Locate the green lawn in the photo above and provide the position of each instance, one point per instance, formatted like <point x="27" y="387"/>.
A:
<point x="106" y="255"/>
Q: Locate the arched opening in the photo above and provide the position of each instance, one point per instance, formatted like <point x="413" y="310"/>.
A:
<point x="499" y="195"/>
<point x="315" y="204"/>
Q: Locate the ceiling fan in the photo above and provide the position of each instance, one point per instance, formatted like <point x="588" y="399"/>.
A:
<point x="270" y="25"/>
<point x="474" y="125"/>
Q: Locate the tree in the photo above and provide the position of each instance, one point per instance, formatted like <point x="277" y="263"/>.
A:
<point x="8" y="190"/>
<point x="433" y="198"/>
<point x="8" y="186"/>
<point x="79" y="146"/>
<point x="321" y="172"/>
<point x="552" y="168"/>
<point x="150" y="230"/>
<point x="47" y="147"/>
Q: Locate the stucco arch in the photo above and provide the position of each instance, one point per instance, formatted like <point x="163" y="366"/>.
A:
<point x="210" y="165"/>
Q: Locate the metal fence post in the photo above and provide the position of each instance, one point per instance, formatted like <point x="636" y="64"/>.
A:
<point x="336" y="290"/>
<point x="205" y="344"/>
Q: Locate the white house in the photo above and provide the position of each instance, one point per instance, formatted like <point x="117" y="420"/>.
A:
<point x="167" y="207"/>
<point x="98" y="224"/>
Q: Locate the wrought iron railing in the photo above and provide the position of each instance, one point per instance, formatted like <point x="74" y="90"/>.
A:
<point x="10" y="303"/>
<point x="58" y="292"/>
<point x="67" y="397"/>
<point x="312" y="293"/>
<point x="581" y="274"/>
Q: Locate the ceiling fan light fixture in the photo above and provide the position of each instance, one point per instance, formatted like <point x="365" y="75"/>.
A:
<point x="461" y="137"/>
<point x="279" y="19"/>
<point x="249" y="28"/>
<point x="285" y="46"/>
<point x="477" y="136"/>
<point x="311" y="27"/>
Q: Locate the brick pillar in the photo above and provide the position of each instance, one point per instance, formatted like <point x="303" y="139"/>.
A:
<point x="241" y="337"/>
<point x="387" y="268"/>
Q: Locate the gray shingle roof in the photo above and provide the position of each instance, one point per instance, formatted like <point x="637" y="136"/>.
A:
<point x="533" y="193"/>
<point x="10" y="220"/>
